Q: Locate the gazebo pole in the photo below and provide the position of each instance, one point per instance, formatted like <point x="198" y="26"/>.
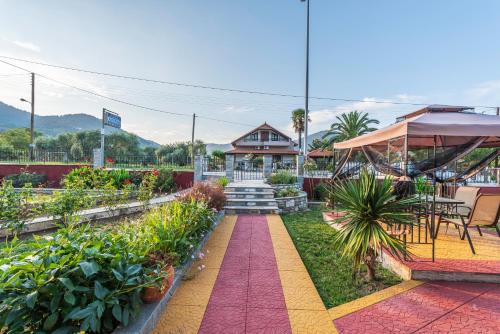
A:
<point x="433" y="212"/>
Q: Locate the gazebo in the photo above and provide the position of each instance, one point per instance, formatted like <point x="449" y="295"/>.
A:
<point x="430" y="142"/>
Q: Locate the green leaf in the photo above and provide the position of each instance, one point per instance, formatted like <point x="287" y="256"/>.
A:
<point x="79" y="314"/>
<point x="132" y="270"/>
<point x="54" y="302"/>
<point x="69" y="298"/>
<point x="117" y="312"/>
<point x="117" y="275"/>
<point x="125" y="316"/>
<point x="31" y="299"/>
<point x="67" y="283"/>
<point x="50" y="321"/>
<point x="100" y="291"/>
<point x="89" y="268"/>
<point x="65" y="330"/>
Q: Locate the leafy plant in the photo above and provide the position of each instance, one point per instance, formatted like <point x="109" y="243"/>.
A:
<point x="120" y="177"/>
<point x="212" y="195"/>
<point x="282" y="177"/>
<point x="15" y="208"/>
<point x="222" y="181"/>
<point x="147" y="186"/>
<point x="66" y="203"/>
<point x="87" y="178"/>
<point x="370" y="208"/>
<point x="349" y="125"/>
<point x="81" y="279"/>
<point x="288" y="192"/>
<point x="25" y="177"/>
<point x="165" y="182"/>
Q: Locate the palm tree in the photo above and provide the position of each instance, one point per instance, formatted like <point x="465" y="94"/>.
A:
<point x="298" y="116"/>
<point x="371" y="211"/>
<point x="318" y="144"/>
<point x="350" y="125"/>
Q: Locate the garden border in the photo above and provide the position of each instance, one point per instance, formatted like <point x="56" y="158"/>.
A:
<point x="150" y="313"/>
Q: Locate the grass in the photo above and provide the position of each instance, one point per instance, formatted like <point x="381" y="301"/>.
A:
<point x="331" y="274"/>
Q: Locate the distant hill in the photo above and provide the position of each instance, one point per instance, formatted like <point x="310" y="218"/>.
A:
<point x="11" y="117"/>
<point x="317" y="135"/>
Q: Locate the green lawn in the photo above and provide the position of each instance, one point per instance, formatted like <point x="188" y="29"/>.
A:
<point x="331" y="274"/>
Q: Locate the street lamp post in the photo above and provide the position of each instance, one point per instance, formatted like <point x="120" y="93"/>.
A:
<point x="306" y="118"/>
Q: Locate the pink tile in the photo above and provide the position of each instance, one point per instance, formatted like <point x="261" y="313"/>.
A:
<point x="262" y="262"/>
<point x="223" y="295"/>
<point x="228" y="320"/>
<point x="267" y="321"/>
<point x="235" y="262"/>
<point x="264" y="277"/>
<point x="261" y="250"/>
<point x="266" y="296"/>
<point x="228" y="277"/>
<point x="238" y="244"/>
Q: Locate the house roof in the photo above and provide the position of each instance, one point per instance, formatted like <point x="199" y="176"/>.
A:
<point x="264" y="126"/>
<point x="271" y="150"/>
<point x="320" y="153"/>
<point x="434" y="108"/>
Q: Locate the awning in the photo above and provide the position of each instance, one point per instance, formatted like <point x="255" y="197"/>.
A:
<point x="422" y="127"/>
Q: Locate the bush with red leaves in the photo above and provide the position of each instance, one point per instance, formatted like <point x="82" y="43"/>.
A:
<point x="210" y="193"/>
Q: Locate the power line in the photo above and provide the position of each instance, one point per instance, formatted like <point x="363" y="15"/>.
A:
<point x="220" y="88"/>
<point x="88" y="91"/>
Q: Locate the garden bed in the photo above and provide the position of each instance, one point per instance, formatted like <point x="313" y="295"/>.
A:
<point x="331" y="274"/>
<point x="292" y="203"/>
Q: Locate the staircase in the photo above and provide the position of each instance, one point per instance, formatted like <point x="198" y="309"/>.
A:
<point x="250" y="197"/>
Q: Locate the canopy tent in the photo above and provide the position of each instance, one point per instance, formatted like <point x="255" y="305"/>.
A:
<point x="426" y="143"/>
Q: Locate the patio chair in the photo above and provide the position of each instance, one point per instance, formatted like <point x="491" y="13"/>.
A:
<point x="468" y="196"/>
<point x="485" y="212"/>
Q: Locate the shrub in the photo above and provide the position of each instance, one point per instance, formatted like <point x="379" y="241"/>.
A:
<point x="222" y="181"/>
<point x="321" y="191"/>
<point x="177" y="227"/>
<point x="209" y="193"/>
<point x="25" y="177"/>
<point x="288" y="192"/>
<point x="87" y="178"/>
<point x="82" y="279"/>
<point x="147" y="186"/>
<point x="282" y="177"/>
<point x="65" y="204"/>
<point x="120" y="177"/>
<point x="165" y="182"/>
<point x="15" y="208"/>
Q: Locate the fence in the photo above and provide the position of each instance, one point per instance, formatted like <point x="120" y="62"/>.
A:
<point x="38" y="156"/>
<point x="213" y="165"/>
<point x="147" y="161"/>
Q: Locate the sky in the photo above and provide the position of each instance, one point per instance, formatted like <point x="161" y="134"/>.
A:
<point x="426" y="51"/>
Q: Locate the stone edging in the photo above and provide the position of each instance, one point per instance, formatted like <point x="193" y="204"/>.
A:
<point x="150" y="313"/>
<point x="293" y="203"/>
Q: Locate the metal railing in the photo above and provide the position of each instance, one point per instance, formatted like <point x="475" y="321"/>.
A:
<point x="147" y="161"/>
<point x="213" y="164"/>
<point x="39" y="156"/>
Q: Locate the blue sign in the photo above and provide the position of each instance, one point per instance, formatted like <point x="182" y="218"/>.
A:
<point x="112" y="119"/>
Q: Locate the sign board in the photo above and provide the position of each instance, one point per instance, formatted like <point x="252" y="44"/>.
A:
<point x="112" y="119"/>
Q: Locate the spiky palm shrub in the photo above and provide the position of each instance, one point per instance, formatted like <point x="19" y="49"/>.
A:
<point x="372" y="211"/>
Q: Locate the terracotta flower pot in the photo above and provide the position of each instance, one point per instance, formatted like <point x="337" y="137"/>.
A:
<point x="152" y="294"/>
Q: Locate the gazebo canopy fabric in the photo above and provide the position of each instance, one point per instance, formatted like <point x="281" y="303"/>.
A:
<point x="421" y="130"/>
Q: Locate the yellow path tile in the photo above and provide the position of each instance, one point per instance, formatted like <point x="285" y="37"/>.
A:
<point x="306" y="311"/>
<point x="185" y="310"/>
<point x="363" y="302"/>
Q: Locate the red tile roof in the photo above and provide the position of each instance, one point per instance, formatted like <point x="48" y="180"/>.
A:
<point x="252" y="150"/>
<point x="319" y="153"/>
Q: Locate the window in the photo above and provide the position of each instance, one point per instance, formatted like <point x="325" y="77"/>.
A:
<point x="275" y="137"/>
<point x="254" y="136"/>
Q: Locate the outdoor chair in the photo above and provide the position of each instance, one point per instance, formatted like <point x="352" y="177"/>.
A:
<point x="485" y="212"/>
<point x="468" y="196"/>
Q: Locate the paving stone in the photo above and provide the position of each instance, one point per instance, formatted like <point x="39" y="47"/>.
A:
<point x="223" y="320"/>
<point x="266" y="321"/>
<point x="266" y="296"/>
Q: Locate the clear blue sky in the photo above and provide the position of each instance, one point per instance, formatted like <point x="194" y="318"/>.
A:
<point x="419" y="51"/>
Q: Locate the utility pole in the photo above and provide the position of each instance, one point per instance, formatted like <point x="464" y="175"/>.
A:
<point x="192" y="140"/>
<point x="32" y="120"/>
<point x="306" y="118"/>
<point x="102" y="137"/>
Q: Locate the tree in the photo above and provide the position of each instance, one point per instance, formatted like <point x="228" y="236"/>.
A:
<point x="218" y="154"/>
<point x="350" y="125"/>
<point x="318" y="144"/>
<point x="370" y="207"/>
<point x="298" y="116"/>
<point x="17" y="138"/>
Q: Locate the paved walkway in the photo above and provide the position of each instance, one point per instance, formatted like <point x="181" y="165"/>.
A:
<point x="255" y="282"/>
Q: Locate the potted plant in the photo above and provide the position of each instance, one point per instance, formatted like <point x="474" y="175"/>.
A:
<point x="164" y="268"/>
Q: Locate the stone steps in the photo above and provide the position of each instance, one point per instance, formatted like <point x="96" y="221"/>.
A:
<point x="250" y="198"/>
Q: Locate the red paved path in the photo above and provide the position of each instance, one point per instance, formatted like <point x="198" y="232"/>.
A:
<point x="247" y="296"/>
<point x="434" y="307"/>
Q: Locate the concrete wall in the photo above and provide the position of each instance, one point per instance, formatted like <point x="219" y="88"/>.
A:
<point x="54" y="173"/>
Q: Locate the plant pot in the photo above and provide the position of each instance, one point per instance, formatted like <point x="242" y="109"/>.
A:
<point x="152" y="294"/>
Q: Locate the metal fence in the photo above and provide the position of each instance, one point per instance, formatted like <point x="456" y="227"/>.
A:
<point x="39" y="156"/>
<point x="213" y="164"/>
<point x="147" y="162"/>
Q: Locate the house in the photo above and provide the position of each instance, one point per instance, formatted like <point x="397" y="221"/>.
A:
<point x="265" y="140"/>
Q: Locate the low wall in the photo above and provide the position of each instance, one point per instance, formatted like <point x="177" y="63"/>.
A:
<point x="183" y="179"/>
<point x="292" y="204"/>
<point x="54" y="173"/>
<point x="278" y="187"/>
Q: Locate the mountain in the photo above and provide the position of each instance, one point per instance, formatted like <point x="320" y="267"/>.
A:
<point x="11" y="117"/>
<point x="318" y="135"/>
